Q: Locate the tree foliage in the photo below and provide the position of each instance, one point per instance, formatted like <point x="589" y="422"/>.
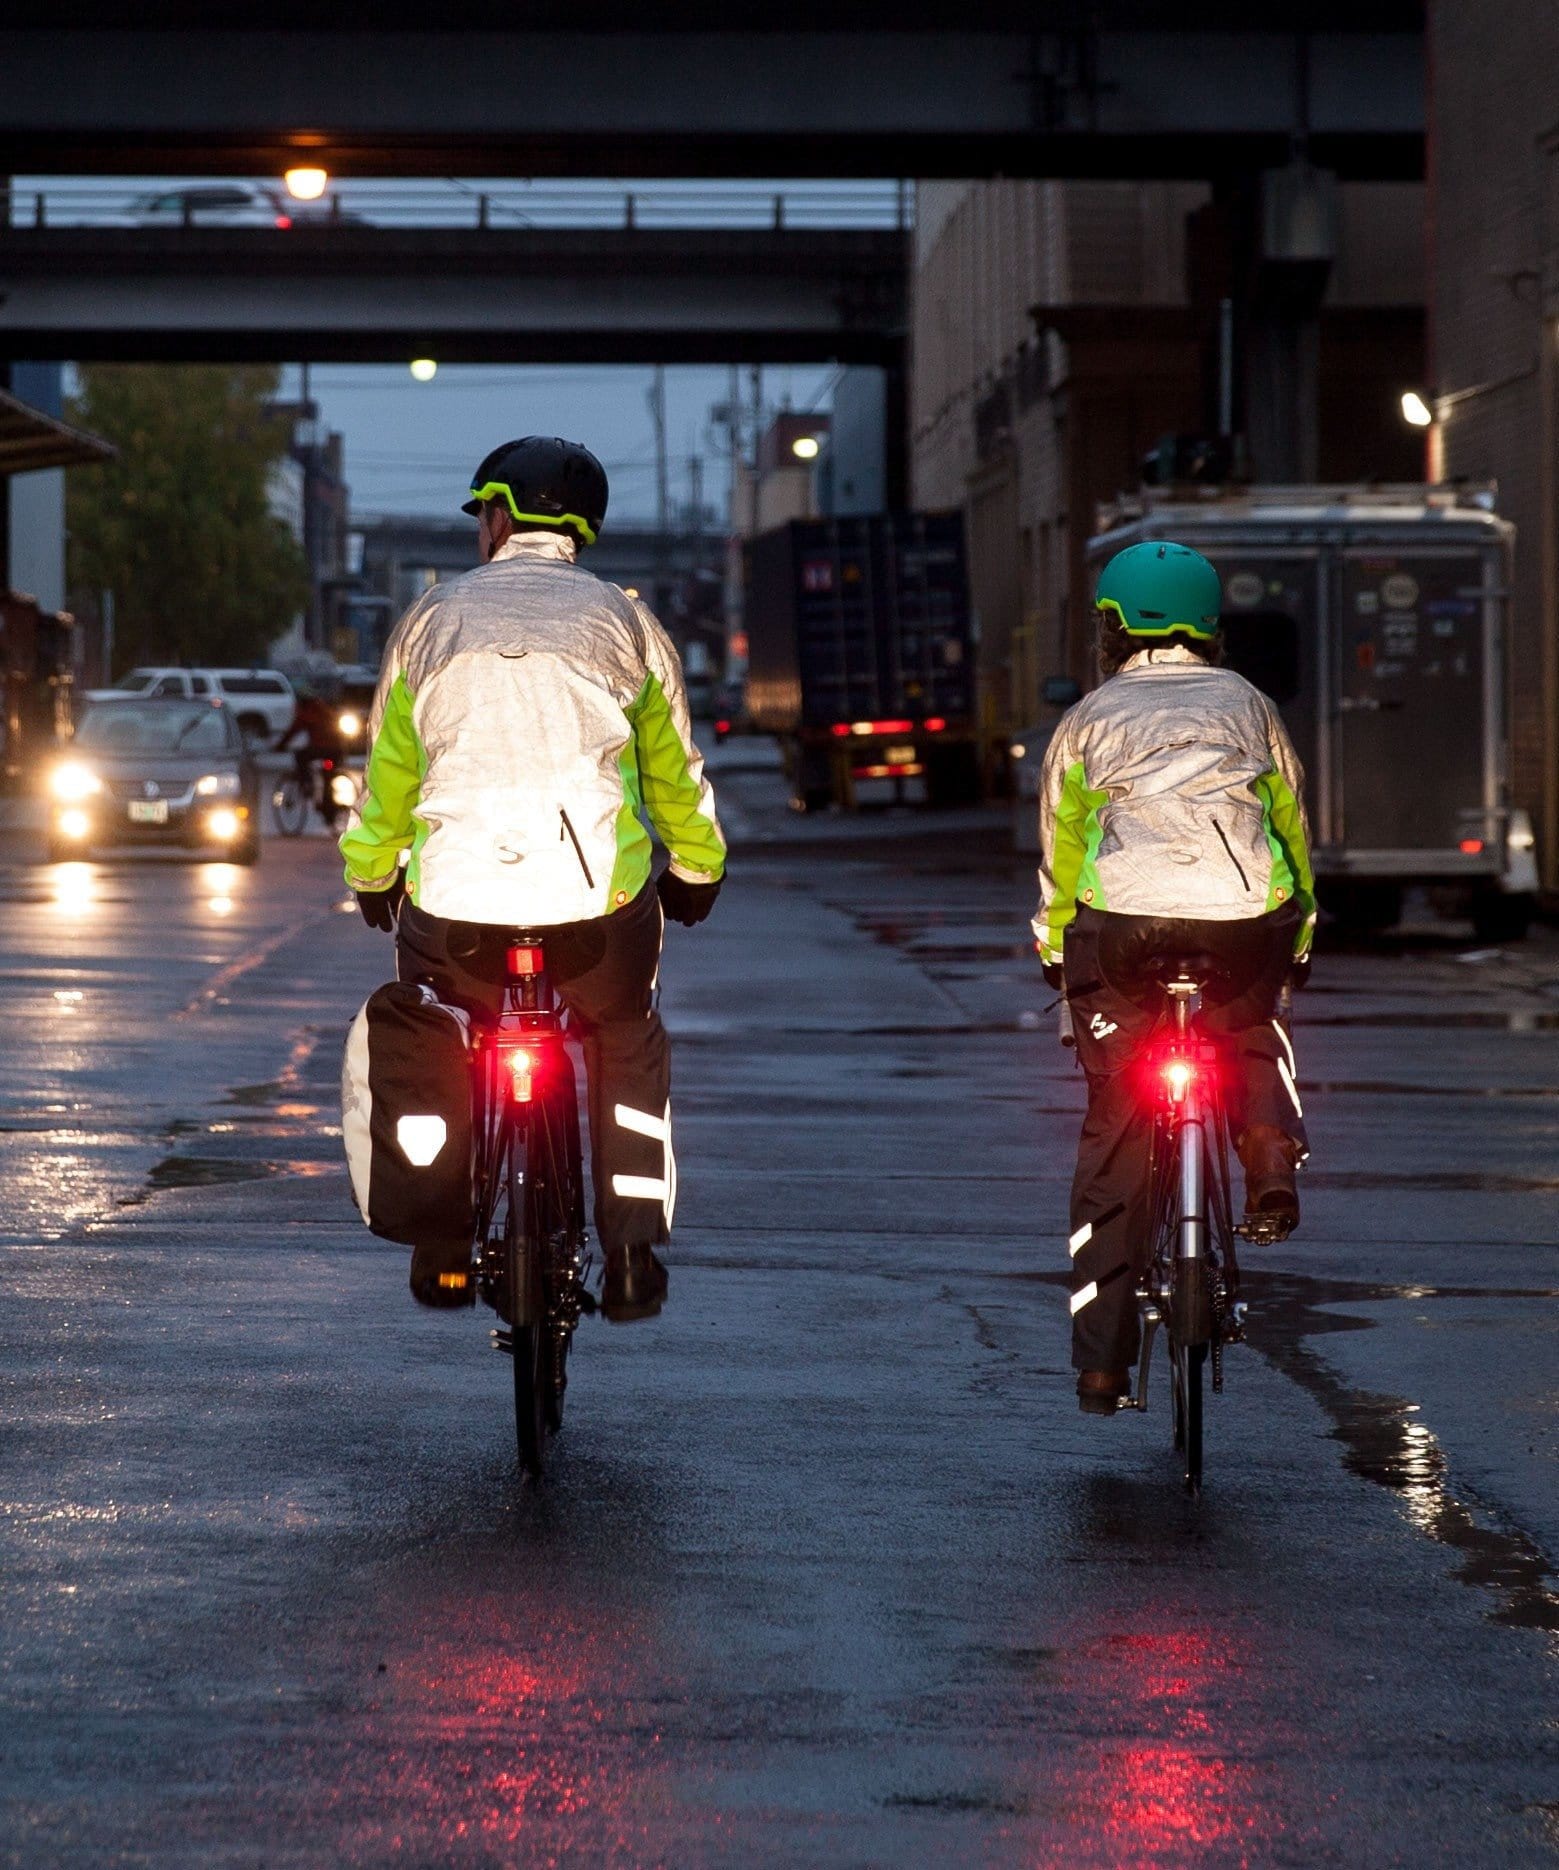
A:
<point x="179" y="527"/>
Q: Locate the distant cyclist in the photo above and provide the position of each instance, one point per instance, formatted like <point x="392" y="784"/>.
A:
<point x="526" y="713"/>
<point x="1172" y="823"/>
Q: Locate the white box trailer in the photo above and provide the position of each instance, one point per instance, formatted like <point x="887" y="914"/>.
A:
<point x="1376" y="618"/>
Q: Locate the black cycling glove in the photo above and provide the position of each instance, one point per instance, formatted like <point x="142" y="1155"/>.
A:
<point x="380" y="907"/>
<point x="684" y="902"/>
<point x="1055" y="976"/>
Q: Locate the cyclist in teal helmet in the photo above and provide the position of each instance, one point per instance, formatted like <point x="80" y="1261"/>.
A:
<point x="1171" y="822"/>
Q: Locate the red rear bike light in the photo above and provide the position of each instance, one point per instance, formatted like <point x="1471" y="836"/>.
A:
<point x="523" y="962"/>
<point x="1472" y="847"/>
<point x="1179" y="1076"/>
<point x="524" y="1064"/>
<point x="935" y="724"/>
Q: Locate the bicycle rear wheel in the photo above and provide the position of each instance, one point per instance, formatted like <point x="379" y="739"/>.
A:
<point x="529" y="1337"/>
<point x="1186" y="1364"/>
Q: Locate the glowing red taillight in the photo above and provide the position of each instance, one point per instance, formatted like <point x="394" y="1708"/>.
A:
<point x="1179" y="1076"/>
<point x="1472" y="847"/>
<point x="935" y="724"/>
<point x="523" y="962"/>
<point x="523" y="1066"/>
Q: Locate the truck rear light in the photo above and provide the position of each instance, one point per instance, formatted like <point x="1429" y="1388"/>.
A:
<point x="910" y="771"/>
<point x="935" y="724"/>
<point x="1471" y="847"/>
<point x="864" y="728"/>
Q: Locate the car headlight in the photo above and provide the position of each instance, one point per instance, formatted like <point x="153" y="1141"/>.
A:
<point x="73" y="782"/>
<point x="217" y="786"/>
<point x="350" y="725"/>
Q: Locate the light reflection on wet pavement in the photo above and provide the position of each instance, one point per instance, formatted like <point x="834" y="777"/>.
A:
<point x="829" y="1570"/>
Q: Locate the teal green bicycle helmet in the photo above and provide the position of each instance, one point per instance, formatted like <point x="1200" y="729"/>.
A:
<point x="1157" y="588"/>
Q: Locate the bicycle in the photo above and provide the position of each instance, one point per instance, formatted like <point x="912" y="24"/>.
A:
<point x="530" y="1249"/>
<point x="1191" y="1286"/>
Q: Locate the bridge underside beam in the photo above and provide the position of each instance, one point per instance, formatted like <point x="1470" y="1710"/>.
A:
<point x="787" y="102"/>
<point x="370" y="294"/>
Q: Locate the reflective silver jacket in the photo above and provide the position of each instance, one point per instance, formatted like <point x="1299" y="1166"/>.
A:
<point x="1173" y="789"/>
<point x="526" y="714"/>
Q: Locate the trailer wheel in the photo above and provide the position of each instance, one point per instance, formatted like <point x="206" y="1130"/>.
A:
<point x="1500" y="918"/>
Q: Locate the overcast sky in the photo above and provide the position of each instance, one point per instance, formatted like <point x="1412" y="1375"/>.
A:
<point x="412" y="447"/>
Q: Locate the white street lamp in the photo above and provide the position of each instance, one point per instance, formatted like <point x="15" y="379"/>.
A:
<point x="1416" y="410"/>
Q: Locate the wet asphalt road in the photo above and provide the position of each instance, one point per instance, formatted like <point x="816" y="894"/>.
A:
<point x="829" y="1569"/>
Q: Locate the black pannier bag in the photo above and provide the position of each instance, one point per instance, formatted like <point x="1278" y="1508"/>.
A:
<point x="406" y="1116"/>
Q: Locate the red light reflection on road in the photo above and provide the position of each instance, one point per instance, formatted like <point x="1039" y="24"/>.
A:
<point x="518" y="1726"/>
<point x="1178" y="1779"/>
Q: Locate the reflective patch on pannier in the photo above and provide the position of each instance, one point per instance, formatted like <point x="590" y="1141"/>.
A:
<point x="406" y="1116"/>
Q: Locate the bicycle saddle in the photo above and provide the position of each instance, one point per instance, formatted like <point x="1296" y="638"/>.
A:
<point x="1205" y="970"/>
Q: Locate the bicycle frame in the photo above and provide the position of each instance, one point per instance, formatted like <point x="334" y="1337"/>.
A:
<point x="1185" y="1285"/>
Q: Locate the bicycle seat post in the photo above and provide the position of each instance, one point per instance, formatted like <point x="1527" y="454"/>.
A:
<point x="1186" y="996"/>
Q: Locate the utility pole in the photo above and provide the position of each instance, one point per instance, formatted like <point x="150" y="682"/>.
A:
<point x="662" y="487"/>
<point x="757" y="444"/>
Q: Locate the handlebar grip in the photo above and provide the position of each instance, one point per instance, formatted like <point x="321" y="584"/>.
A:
<point x="1065" y="1027"/>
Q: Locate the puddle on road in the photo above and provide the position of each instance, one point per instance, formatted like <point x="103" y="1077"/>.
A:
<point x="1367" y="1087"/>
<point x="1384" y="1439"/>
<point x="1437" y="1181"/>
<point x="1516" y="1021"/>
<point x="222" y="1171"/>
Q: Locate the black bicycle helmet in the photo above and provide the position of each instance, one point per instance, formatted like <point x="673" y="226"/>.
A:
<point x="544" y="481"/>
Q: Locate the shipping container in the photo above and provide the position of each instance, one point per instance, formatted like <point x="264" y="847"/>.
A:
<point x="861" y="657"/>
<point x="1376" y="619"/>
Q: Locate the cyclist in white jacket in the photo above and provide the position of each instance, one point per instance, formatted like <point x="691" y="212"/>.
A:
<point x="526" y="714"/>
<point x="1172" y="822"/>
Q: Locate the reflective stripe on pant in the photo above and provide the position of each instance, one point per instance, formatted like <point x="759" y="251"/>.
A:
<point x="604" y="972"/>
<point x="1115" y="1008"/>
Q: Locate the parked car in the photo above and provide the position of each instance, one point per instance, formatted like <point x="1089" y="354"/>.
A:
<point x="261" y="699"/>
<point x="150" y="769"/>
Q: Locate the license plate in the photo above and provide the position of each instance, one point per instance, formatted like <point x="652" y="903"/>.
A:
<point x="148" y="811"/>
<point x="899" y="756"/>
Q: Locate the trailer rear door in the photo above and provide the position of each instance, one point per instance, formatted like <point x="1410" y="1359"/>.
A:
<point x="1414" y="733"/>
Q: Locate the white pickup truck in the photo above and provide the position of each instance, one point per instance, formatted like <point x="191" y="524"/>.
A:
<point x="261" y="699"/>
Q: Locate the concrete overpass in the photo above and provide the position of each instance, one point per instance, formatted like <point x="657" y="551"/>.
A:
<point x="363" y="294"/>
<point x="1125" y="88"/>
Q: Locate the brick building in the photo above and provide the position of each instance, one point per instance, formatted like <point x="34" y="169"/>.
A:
<point x="1494" y="325"/>
<point x="1062" y="329"/>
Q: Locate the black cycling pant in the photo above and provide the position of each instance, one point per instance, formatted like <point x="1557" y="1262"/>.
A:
<point x="1115" y="1006"/>
<point x="604" y="971"/>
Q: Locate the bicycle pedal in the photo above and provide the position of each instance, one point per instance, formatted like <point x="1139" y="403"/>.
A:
<point x="502" y="1341"/>
<point x="1265" y="1230"/>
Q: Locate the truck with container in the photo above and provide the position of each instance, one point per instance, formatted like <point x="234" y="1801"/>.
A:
<point x="861" y="658"/>
<point x="1376" y="618"/>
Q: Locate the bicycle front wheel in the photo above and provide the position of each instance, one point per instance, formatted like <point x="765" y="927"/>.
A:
<point x="290" y="806"/>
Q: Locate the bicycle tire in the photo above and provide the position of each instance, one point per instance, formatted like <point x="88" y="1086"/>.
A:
<point x="290" y="807"/>
<point x="529" y="1339"/>
<point x="1186" y="1365"/>
<point x="554" y="1195"/>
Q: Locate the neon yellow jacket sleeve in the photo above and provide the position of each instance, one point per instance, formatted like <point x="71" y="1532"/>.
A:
<point x="1282" y="794"/>
<point x="384" y="823"/>
<point x="676" y="793"/>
